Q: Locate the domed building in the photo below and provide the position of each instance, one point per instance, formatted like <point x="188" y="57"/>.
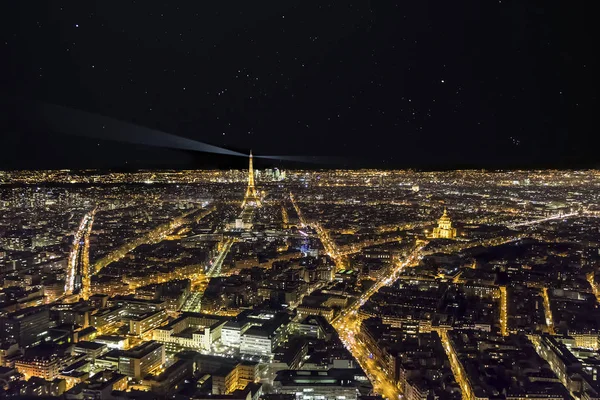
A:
<point x="444" y="229"/>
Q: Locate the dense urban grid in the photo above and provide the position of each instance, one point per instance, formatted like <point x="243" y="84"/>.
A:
<point x="331" y="284"/>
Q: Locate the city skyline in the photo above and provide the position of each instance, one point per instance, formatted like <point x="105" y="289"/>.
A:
<point x="295" y="200"/>
<point x="154" y="272"/>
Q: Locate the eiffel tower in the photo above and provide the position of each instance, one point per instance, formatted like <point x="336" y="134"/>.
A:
<point x="251" y="198"/>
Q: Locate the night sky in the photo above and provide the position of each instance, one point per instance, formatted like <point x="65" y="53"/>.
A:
<point x="425" y="84"/>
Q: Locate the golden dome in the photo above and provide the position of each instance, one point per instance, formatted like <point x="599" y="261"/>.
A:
<point x="445" y="216"/>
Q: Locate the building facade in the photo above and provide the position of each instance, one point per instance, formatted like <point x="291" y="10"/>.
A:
<point x="444" y="229"/>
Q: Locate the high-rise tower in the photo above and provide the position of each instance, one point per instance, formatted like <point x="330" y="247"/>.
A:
<point x="251" y="198"/>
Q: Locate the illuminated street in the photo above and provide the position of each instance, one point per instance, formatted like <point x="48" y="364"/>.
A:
<point x="503" y="310"/>
<point x="592" y="282"/>
<point x="329" y="245"/>
<point x="79" y="256"/>
<point x="542" y="220"/>
<point x="215" y="266"/>
<point x="193" y="303"/>
<point x="548" y="311"/>
<point x="457" y="368"/>
<point x="347" y="325"/>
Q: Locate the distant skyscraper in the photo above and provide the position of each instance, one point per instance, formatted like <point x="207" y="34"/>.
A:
<point x="444" y="229"/>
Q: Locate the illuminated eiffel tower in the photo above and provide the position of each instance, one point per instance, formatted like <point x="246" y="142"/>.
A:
<point x="251" y="198"/>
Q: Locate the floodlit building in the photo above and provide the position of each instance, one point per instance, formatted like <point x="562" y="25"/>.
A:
<point x="444" y="229"/>
<point x="306" y="310"/>
<point x="231" y="334"/>
<point x="190" y="331"/>
<point x="112" y="341"/>
<point x="44" y="361"/>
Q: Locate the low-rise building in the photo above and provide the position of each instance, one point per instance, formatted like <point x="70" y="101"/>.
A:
<point x="113" y="341"/>
<point x="142" y="360"/>
<point x="141" y="324"/>
<point x="190" y="331"/>
<point x="8" y="351"/>
<point x="264" y="339"/>
<point x="170" y="377"/>
<point x="306" y="310"/>
<point x="26" y="327"/>
<point x="44" y="361"/>
<point x="231" y="334"/>
<point x="107" y="317"/>
<point x="102" y="385"/>
<point x="40" y="387"/>
<point x="332" y="384"/>
<point x="91" y="350"/>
